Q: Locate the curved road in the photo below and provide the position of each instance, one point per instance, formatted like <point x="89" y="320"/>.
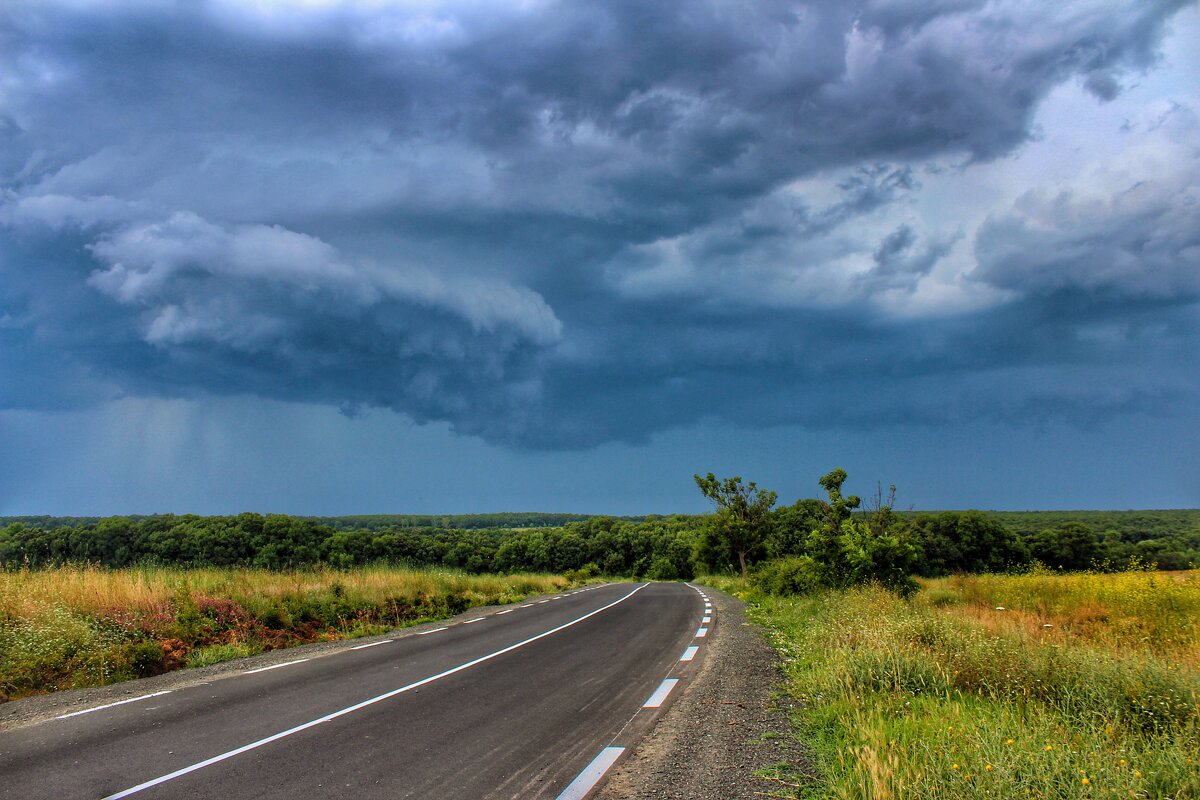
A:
<point x="534" y="700"/>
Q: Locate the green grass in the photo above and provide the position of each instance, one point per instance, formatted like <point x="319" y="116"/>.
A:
<point x="946" y="696"/>
<point x="72" y="627"/>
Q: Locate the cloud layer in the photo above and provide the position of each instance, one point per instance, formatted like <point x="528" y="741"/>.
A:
<point x="556" y="225"/>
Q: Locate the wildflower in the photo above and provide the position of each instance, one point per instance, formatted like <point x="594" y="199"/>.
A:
<point x="1010" y="741"/>
<point x="1085" y="781"/>
<point x="954" y="766"/>
<point x="1121" y="763"/>
<point x="1137" y="773"/>
<point x="1049" y="747"/>
<point x="988" y="767"/>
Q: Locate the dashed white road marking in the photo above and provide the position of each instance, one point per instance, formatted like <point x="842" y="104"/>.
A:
<point x="660" y="694"/>
<point x="707" y="619"/>
<point x="591" y="774"/>
<point x="689" y="654"/>
<point x="118" y="703"/>
<point x="372" y="644"/>
<point x="700" y="634"/>
<point x="505" y="611"/>
<point x="426" y="633"/>
<point x="380" y="698"/>
<point x="527" y="605"/>
<point x="276" y="666"/>
<point x="477" y="619"/>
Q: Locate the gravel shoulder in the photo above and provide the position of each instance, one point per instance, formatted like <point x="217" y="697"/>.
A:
<point x="729" y="723"/>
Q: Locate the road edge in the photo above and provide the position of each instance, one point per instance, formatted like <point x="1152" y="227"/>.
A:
<point x="730" y="722"/>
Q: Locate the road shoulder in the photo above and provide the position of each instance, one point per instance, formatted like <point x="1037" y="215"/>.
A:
<point x="725" y="727"/>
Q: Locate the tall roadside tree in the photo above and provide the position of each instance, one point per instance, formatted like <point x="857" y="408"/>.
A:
<point x="743" y="517"/>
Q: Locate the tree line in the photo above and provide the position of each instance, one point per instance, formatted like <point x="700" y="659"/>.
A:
<point x="834" y="540"/>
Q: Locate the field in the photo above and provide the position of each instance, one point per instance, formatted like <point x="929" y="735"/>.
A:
<point x="72" y="627"/>
<point x="1038" y="685"/>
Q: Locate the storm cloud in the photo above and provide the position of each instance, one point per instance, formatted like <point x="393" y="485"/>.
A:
<point x="557" y="225"/>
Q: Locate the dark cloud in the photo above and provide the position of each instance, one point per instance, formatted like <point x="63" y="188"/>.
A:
<point x="562" y="224"/>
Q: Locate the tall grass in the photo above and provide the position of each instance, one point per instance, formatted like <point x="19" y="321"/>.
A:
<point x="1037" y="685"/>
<point x="85" y="626"/>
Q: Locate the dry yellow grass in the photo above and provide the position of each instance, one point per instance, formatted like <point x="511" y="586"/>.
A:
<point x="81" y="626"/>
<point x="1128" y="613"/>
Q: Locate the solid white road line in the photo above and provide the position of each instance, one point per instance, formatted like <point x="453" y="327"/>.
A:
<point x="660" y="694"/>
<point x="276" y="666"/>
<point x="700" y="634"/>
<point x="369" y="702"/>
<point x="426" y="633"/>
<point x="110" y="705"/>
<point x="591" y="774"/>
<point x="689" y="654"/>
<point x="372" y="644"/>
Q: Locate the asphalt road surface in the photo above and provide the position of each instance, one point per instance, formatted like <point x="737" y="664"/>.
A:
<point x="534" y="700"/>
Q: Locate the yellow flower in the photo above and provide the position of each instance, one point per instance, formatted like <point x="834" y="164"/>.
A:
<point x="1085" y="781"/>
<point x="954" y="766"/>
<point x="988" y="767"/>
<point x="1121" y="762"/>
<point x="1010" y="741"/>
<point x="1137" y="773"/>
<point x="1049" y="747"/>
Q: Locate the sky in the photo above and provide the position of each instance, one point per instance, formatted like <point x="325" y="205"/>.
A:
<point x="322" y="257"/>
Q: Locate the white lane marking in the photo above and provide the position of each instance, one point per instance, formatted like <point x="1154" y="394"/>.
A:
<point x="700" y="634"/>
<point x="689" y="654"/>
<point x="118" y="703"/>
<point x="369" y="702"/>
<point x="527" y="605"/>
<point x="426" y="633"/>
<point x="591" y="774"/>
<point x="660" y="694"/>
<point x="707" y="619"/>
<point x="539" y="602"/>
<point x="505" y="611"/>
<point x="477" y="619"/>
<point x="276" y="666"/>
<point x="372" y="644"/>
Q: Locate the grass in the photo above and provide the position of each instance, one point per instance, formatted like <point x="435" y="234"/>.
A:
<point x="1039" y="685"/>
<point x="75" y="626"/>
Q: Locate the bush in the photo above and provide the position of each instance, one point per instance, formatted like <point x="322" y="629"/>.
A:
<point x="662" y="569"/>
<point x="787" y="576"/>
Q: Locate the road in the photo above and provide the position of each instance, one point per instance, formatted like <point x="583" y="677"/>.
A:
<point x="533" y="700"/>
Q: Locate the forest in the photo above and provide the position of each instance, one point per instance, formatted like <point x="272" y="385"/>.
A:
<point x="927" y="543"/>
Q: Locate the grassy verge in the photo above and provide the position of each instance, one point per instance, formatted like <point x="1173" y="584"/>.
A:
<point x="1044" y="686"/>
<point x="86" y="626"/>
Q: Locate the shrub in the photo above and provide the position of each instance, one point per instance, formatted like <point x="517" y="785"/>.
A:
<point x="787" y="576"/>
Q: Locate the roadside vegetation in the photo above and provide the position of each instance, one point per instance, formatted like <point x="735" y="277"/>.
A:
<point x="75" y="626"/>
<point x="993" y="686"/>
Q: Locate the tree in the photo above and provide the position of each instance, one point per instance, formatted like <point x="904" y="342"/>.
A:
<point x="1070" y="546"/>
<point x="742" y="521"/>
<point x="874" y="548"/>
<point x="965" y="541"/>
